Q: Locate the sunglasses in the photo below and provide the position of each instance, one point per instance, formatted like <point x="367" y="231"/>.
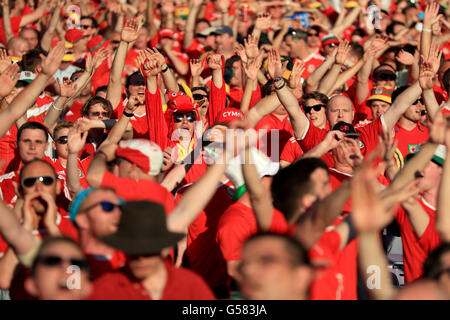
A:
<point x="332" y="45"/>
<point x="31" y="181"/>
<point x="85" y="27"/>
<point x="106" y="206"/>
<point x="316" y="108"/>
<point x="417" y="101"/>
<point x="313" y="34"/>
<point x="198" y="96"/>
<point x="62" y="140"/>
<point x="179" y="117"/>
<point x="97" y="114"/>
<point x="385" y="76"/>
<point x="54" y="261"/>
<point x="115" y="41"/>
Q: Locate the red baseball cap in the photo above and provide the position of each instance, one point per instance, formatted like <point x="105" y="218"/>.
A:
<point x="74" y="35"/>
<point x="96" y="43"/>
<point x="166" y="33"/>
<point x="228" y="115"/>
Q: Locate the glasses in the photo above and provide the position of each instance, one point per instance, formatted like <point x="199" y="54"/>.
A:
<point x="417" y="101"/>
<point x="180" y="117"/>
<point x="332" y="45"/>
<point x="198" y="96"/>
<point x="316" y="108"/>
<point x="385" y="76"/>
<point x="56" y="261"/>
<point x="62" y="140"/>
<point x="115" y="41"/>
<point x="85" y="27"/>
<point x="31" y="181"/>
<point x="106" y="206"/>
<point x="97" y="114"/>
<point x="312" y="34"/>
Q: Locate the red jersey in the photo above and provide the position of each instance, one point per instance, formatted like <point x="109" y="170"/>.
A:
<point x="83" y="166"/>
<point x="8" y="151"/>
<point x="130" y="189"/>
<point x="100" y="264"/>
<point x="181" y="284"/>
<point x="409" y="140"/>
<point x="311" y="63"/>
<point x="416" y="249"/>
<point x="138" y="122"/>
<point x="15" y="26"/>
<point x="74" y="112"/>
<point x="202" y="252"/>
<point x="237" y="224"/>
<point x="291" y="151"/>
<point x="284" y="128"/>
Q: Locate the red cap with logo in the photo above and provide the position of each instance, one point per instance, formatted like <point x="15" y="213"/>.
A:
<point x="228" y="115"/>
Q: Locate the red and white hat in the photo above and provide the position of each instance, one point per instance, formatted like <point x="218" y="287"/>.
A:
<point x="228" y="115"/>
<point x="145" y="154"/>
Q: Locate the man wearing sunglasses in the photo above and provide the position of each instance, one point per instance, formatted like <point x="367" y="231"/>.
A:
<point x="89" y="26"/>
<point x="79" y="42"/>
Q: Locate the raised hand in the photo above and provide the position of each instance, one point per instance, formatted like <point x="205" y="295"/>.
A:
<point x="8" y="79"/>
<point x="52" y="61"/>
<point x="342" y="51"/>
<point x="333" y="138"/>
<point x="196" y="67"/>
<point x="251" y="47"/>
<point x="96" y="60"/>
<point x="389" y="145"/>
<point x="405" y="58"/>
<point x="274" y="66"/>
<point x="77" y="135"/>
<point x="66" y="88"/>
<point x="240" y="51"/>
<point x="156" y="55"/>
<point x="251" y="70"/>
<point x="431" y="14"/>
<point x="50" y="215"/>
<point x="263" y="21"/>
<point x="434" y="56"/>
<point x="130" y="31"/>
<point x="296" y="75"/>
<point x="134" y="102"/>
<point x="214" y="61"/>
<point x="427" y="77"/>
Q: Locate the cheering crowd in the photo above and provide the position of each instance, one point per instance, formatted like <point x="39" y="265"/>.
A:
<point x="224" y="149"/>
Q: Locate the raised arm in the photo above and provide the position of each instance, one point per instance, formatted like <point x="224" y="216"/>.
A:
<point x="331" y="77"/>
<point x="169" y="78"/>
<point x="346" y="23"/>
<point x="251" y="72"/>
<point x="76" y="141"/>
<point x="28" y="96"/>
<point x="312" y="83"/>
<point x="194" y="9"/>
<point x="7" y="20"/>
<point x="129" y="34"/>
<point x="430" y="17"/>
<point x="37" y="14"/>
<point x="428" y="77"/>
<point x="217" y="95"/>
<point x="49" y="33"/>
<point x="298" y="119"/>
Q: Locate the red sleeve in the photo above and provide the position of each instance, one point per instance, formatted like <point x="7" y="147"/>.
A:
<point x="369" y="135"/>
<point x="256" y="96"/>
<point x="430" y="239"/>
<point x="312" y="138"/>
<point x="278" y="223"/>
<point x="327" y="248"/>
<point x="157" y="126"/>
<point x="217" y="98"/>
<point x="291" y="151"/>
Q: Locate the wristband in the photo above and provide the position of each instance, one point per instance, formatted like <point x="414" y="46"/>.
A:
<point x="165" y="69"/>
<point x="426" y="30"/>
<point x="127" y="114"/>
<point x="53" y="106"/>
<point x="280" y="87"/>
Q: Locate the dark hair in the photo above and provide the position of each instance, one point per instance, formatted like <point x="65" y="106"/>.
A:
<point x="295" y="250"/>
<point x="316" y="95"/>
<point x="32" y="59"/>
<point x="267" y="88"/>
<point x="205" y="89"/>
<point x="357" y="50"/>
<point x="230" y="61"/>
<point x="101" y="89"/>
<point x="391" y="27"/>
<point x="398" y="92"/>
<point x="290" y="184"/>
<point x="203" y="20"/>
<point x="94" y="22"/>
<point x="408" y="7"/>
<point x="32" y="162"/>
<point x="48" y="242"/>
<point x="32" y="125"/>
<point x="296" y="35"/>
<point x="432" y="268"/>
<point x="95" y="100"/>
<point x="446" y="80"/>
<point x="359" y="32"/>
<point x="383" y="65"/>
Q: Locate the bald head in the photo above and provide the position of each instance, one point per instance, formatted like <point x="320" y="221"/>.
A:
<point x="422" y="290"/>
<point x="340" y="108"/>
<point x="17" y="47"/>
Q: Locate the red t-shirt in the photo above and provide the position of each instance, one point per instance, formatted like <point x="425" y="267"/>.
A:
<point x="182" y="284"/>
<point x="284" y="131"/>
<point x="138" y="122"/>
<point x="101" y="264"/>
<point x="130" y="189"/>
<point x="8" y="151"/>
<point x="237" y="224"/>
<point x="202" y="252"/>
<point x="409" y="140"/>
<point x="83" y="166"/>
<point x="338" y="281"/>
<point x="74" y="112"/>
<point x="416" y="249"/>
<point x="15" y="26"/>
<point x="311" y="63"/>
<point x="291" y="151"/>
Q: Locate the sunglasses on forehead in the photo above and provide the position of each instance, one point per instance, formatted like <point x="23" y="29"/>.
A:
<point x="179" y="117"/>
<point x="31" y="181"/>
<point x="54" y="261"/>
<point x="316" y="108"/>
